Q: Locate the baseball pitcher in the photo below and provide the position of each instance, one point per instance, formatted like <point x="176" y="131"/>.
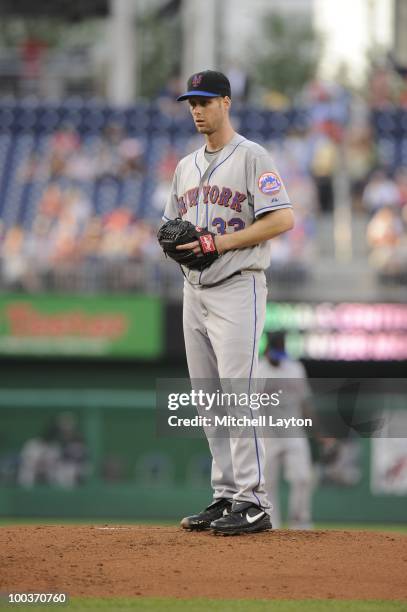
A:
<point x="226" y="203"/>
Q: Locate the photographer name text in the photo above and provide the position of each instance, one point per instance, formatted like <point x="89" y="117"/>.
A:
<point x="234" y="421"/>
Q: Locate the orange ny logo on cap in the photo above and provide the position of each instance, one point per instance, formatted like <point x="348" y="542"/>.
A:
<point x="196" y="80"/>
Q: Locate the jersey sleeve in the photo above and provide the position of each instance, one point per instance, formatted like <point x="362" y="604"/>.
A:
<point x="171" y="208"/>
<point x="266" y="187"/>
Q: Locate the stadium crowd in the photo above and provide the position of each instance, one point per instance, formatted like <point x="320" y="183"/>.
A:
<point x="79" y="196"/>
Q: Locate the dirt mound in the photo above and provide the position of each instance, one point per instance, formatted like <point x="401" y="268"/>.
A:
<point x="165" y="561"/>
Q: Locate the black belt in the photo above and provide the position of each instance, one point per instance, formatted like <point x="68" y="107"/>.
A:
<point x="238" y="273"/>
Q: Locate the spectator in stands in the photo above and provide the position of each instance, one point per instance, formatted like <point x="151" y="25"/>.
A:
<point x="65" y="248"/>
<point x="401" y="182"/>
<point x="51" y="202"/>
<point x="108" y="159"/>
<point x="14" y="263"/>
<point x="164" y="173"/>
<point x="381" y="88"/>
<point x="64" y="143"/>
<point x="293" y="254"/>
<point x="118" y="157"/>
<point x="143" y="242"/>
<point x="360" y="159"/>
<point x="295" y="152"/>
<point x="323" y="166"/>
<point x="387" y="238"/>
<point x="117" y="227"/>
<point x="120" y="218"/>
<point x="80" y="167"/>
<point x="38" y="249"/>
<point x="385" y="229"/>
<point x="76" y="210"/>
<point x="70" y="225"/>
<point x="34" y="169"/>
<point x="91" y="239"/>
<point x="327" y="102"/>
<point x="380" y="191"/>
<point x="131" y="152"/>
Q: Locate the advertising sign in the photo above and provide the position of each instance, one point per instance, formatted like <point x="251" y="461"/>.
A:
<point x="88" y="326"/>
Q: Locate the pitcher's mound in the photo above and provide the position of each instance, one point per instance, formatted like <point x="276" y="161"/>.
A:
<point x="166" y="561"/>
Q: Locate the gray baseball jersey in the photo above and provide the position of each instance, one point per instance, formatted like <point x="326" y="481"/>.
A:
<point x="227" y="195"/>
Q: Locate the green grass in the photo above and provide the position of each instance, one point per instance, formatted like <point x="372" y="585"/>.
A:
<point x="150" y="604"/>
<point x="401" y="528"/>
<point x="9" y="521"/>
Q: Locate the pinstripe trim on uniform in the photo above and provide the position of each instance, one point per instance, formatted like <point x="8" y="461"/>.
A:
<point x="250" y="378"/>
<point x="164" y="218"/>
<point x="255" y="329"/>
<point x="200" y="179"/>
<point x="209" y="178"/>
<point x="275" y="207"/>
<point x="215" y="168"/>
<point x="226" y="158"/>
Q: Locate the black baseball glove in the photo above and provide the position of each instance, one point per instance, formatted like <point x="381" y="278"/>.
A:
<point x="177" y="232"/>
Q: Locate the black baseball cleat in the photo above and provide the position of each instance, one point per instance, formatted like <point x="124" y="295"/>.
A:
<point x="199" y="522"/>
<point x="244" y="517"/>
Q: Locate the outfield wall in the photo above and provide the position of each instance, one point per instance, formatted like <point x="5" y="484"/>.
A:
<point x="159" y="477"/>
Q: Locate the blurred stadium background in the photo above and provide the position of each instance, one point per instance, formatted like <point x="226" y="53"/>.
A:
<point x="90" y="313"/>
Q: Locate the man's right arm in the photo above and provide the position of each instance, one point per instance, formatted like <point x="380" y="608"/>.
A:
<point x="171" y="208"/>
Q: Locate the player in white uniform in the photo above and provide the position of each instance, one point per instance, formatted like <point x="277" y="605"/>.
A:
<point x="290" y="453"/>
<point x="230" y="186"/>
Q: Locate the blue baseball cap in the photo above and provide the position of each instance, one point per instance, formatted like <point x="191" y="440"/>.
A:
<point x="209" y="84"/>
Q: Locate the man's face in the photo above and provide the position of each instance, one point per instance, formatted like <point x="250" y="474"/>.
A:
<point x="208" y="114"/>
